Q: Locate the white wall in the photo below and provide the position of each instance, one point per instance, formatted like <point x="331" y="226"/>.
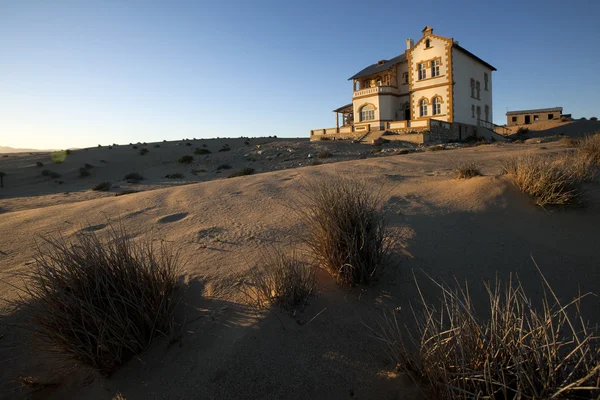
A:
<point x="465" y="68"/>
<point x="421" y="53"/>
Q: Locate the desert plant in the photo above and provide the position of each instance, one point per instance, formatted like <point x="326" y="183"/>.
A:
<point x="513" y="351"/>
<point x="594" y="119"/>
<point x="84" y="172"/>
<point x="88" y="166"/>
<point x="2" y="175"/>
<point x="345" y="227"/>
<point x="102" y="186"/>
<point x="522" y="131"/>
<point x="198" y="171"/>
<point x="315" y="163"/>
<point x="241" y="172"/>
<point x="39" y="164"/>
<point x="50" y="174"/>
<point x="225" y="148"/>
<point x="156" y="146"/>
<point x="466" y="170"/>
<point x="101" y="300"/>
<point x="134" y="147"/>
<point x="548" y="182"/>
<point x="186" y="159"/>
<point x="590" y="145"/>
<point x="279" y="279"/>
<point x="177" y="175"/>
<point x="223" y="166"/>
<point x="201" y="151"/>
<point x="324" y="154"/>
<point x="144" y="151"/>
<point x="133" y="177"/>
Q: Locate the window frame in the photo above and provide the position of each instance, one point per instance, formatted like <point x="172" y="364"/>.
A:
<point x="423" y="107"/>
<point x="472" y="88"/>
<point x="487" y="113"/>
<point x="436" y="105"/>
<point x="472" y="110"/>
<point x="478" y="89"/>
<point x="422" y="71"/>
<point x="486" y="79"/>
<point x="435" y="67"/>
<point x="364" y="114"/>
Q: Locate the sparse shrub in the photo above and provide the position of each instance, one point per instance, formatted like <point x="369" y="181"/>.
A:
<point x="144" y="151"/>
<point x="134" y="146"/>
<point x="467" y="170"/>
<point x="324" y="154"/>
<point x="110" y="147"/>
<point x="198" y="171"/>
<point x="186" y="159"/>
<point x="177" y="175"/>
<point x="68" y="152"/>
<point x="404" y="151"/>
<point x="590" y="145"/>
<point x="39" y="164"/>
<point x="280" y="280"/>
<point x="84" y="172"/>
<point x="548" y="182"/>
<point x="522" y="131"/>
<point x="164" y="140"/>
<point x="594" y="119"/>
<point x="99" y="145"/>
<point x="247" y="143"/>
<point x="570" y="141"/>
<point x="88" y="166"/>
<point x="345" y="227"/>
<point x="204" y="145"/>
<point x="50" y="174"/>
<point x="223" y="166"/>
<point x="101" y="300"/>
<point x="316" y="162"/>
<point x="2" y="175"/>
<point x="125" y="192"/>
<point x="133" y="177"/>
<point x="512" y="351"/>
<point x="242" y="172"/>
<point x="102" y="187"/>
<point x="201" y="151"/>
<point x="156" y="146"/>
<point x="188" y="144"/>
<point x="225" y="148"/>
<point x="437" y="147"/>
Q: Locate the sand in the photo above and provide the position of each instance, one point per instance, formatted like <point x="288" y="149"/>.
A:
<point x="471" y="230"/>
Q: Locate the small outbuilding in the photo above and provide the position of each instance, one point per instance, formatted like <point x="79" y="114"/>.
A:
<point x="526" y="117"/>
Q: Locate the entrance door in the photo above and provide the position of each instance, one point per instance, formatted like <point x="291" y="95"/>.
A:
<point x="406" y="112"/>
<point x="527" y="119"/>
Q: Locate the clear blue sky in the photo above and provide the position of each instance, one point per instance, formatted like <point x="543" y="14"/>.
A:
<point x="77" y="73"/>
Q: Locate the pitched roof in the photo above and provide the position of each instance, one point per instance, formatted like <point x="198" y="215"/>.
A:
<point x="376" y="68"/>
<point x="467" y="52"/>
<point x="539" y="110"/>
<point x="346" y="108"/>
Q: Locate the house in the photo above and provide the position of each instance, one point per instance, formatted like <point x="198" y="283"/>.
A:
<point x="435" y="90"/>
<point x="526" y="117"/>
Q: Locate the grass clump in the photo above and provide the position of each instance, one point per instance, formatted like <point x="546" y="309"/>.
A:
<point x="39" y="164"/>
<point x="50" y="174"/>
<point x="101" y="300"/>
<point x="242" y="172"/>
<point x="201" y="152"/>
<point x="324" y="154"/>
<point x="84" y="172"/>
<point x="467" y="170"/>
<point x="133" y="177"/>
<point x="590" y="146"/>
<point x="102" y="187"/>
<point x="223" y="166"/>
<point x="549" y="182"/>
<point x="512" y="351"/>
<point x="225" y="148"/>
<point x="144" y="151"/>
<point x="345" y="228"/>
<point x="177" y="175"/>
<point x="281" y="280"/>
<point x="186" y="159"/>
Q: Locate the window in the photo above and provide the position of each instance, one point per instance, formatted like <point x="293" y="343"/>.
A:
<point x="378" y="82"/>
<point x="367" y="113"/>
<point x="487" y="113"/>
<point x="472" y="88"/>
<point x="421" y="68"/>
<point x="536" y="117"/>
<point x="427" y="43"/>
<point x="550" y="116"/>
<point x="405" y="77"/>
<point x="514" y="119"/>
<point x="473" y="111"/>
<point x="485" y="81"/>
<point x="478" y="113"/>
<point x="435" y="68"/>
<point x="437" y="106"/>
<point x="423" y="108"/>
<point x="478" y="86"/>
<point x="368" y="83"/>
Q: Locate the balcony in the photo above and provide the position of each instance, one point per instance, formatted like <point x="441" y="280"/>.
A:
<point x="375" y="90"/>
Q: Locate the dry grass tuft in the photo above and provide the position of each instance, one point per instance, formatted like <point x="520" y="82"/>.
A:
<point x="101" y="300"/>
<point x="549" y="182"/>
<point x="102" y="186"/>
<point x="467" y="170"/>
<point x="241" y="172"/>
<point x="515" y="352"/>
<point x="345" y="227"/>
<point x="280" y="280"/>
<point x="590" y="146"/>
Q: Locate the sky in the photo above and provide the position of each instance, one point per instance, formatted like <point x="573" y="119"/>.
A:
<point x="77" y="73"/>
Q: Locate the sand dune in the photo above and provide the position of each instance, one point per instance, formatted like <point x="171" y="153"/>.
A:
<point x="469" y="230"/>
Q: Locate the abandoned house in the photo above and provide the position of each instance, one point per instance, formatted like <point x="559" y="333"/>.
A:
<point x="526" y="117"/>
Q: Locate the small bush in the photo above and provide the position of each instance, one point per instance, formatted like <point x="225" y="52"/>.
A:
<point x="512" y="351"/>
<point x="280" y="280"/>
<point x="522" y="131"/>
<point x="345" y="227"/>
<point x="594" y="119"/>
<point x="467" y="170"/>
<point x="225" y="148"/>
<point x="143" y="152"/>
<point x="438" y="147"/>
<point x="102" y="186"/>
<point x="570" y="141"/>
<point x="204" y="145"/>
<point x="201" y="151"/>
<point x="88" y="166"/>
<point x="50" y="174"/>
<point x="101" y="300"/>
<point x="590" y="145"/>
<point x="186" y="159"/>
<point x="242" y="172"/>
<point x="315" y="163"/>
<point x="548" y="182"/>
<point x="156" y="146"/>
<point x="176" y="175"/>
<point x="39" y="164"/>
<point x="133" y="177"/>
<point x="324" y="154"/>
<point x="198" y="171"/>
<point x="188" y="144"/>
<point x="223" y="166"/>
<point x="84" y="172"/>
<point x="134" y="146"/>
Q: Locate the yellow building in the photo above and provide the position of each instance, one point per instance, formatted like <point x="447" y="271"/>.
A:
<point x="435" y="87"/>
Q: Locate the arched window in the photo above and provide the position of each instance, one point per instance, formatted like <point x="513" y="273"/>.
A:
<point x="423" y="108"/>
<point x="437" y="106"/>
<point x="367" y="113"/>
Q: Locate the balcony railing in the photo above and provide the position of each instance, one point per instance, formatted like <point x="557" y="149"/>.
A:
<point x="376" y="90"/>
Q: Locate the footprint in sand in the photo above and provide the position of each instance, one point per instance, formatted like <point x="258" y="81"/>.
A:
<point x="172" y="218"/>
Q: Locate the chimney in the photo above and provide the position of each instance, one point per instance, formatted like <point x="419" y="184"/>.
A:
<point x="409" y="44"/>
